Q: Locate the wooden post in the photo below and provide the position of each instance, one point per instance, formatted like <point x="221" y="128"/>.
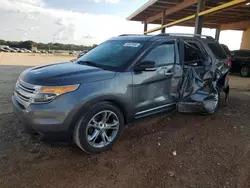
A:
<point x="217" y="34"/>
<point x="145" y="27"/>
<point x="199" y="19"/>
<point x="163" y="22"/>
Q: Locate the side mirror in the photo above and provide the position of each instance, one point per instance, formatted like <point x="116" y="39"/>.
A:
<point x="145" y="66"/>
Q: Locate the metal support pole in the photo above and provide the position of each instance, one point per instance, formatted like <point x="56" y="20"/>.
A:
<point x="209" y="11"/>
<point x="217" y="34"/>
<point x="199" y="19"/>
<point x="163" y="22"/>
<point x="145" y="28"/>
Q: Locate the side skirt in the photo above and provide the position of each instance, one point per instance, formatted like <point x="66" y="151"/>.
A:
<point x="156" y="110"/>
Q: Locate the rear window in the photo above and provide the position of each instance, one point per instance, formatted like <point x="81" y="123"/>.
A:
<point x="217" y="50"/>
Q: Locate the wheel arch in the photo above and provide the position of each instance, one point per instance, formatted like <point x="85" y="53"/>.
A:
<point x="117" y="101"/>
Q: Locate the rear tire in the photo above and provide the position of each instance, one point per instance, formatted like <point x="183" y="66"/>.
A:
<point x="98" y="129"/>
<point x="217" y="102"/>
<point x="244" y="72"/>
<point x="217" y="92"/>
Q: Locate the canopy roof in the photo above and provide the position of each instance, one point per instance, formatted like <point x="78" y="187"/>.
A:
<point x="152" y="12"/>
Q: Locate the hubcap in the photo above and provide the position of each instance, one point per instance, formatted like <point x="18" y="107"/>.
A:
<point x="102" y="129"/>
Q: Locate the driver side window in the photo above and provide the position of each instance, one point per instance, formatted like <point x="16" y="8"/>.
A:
<point x="162" y="55"/>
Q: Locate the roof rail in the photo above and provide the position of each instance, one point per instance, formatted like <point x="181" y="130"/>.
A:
<point x="163" y="34"/>
<point x="185" y="35"/>
<point x="124" y="35"/>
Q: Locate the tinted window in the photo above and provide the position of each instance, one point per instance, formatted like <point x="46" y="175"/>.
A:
<point x="162" y="55"/>
<point x="237" y="53"/>
<point x="242" y="53"/>
<point x="217" y="50"/>
<point x="112" y="53"/>
<point x="192" y="52"/>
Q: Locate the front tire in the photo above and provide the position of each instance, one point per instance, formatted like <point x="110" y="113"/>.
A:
<point x="244" y="72"/>
<point x="99" y="128"/>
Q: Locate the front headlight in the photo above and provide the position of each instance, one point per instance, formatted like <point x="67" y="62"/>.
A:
<point x="45" y="94"/>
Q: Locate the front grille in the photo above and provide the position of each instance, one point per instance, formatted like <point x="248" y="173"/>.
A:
<point x="25" y="88"/>
<point x="24" y="92"/>
<point x="21" y="96"/>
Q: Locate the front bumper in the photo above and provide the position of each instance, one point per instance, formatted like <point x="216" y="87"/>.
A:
<point x="49" y="119"/>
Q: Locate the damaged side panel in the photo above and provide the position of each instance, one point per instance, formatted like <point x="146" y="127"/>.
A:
<point x="198" y="91"/>
<point x="198" y="95"/>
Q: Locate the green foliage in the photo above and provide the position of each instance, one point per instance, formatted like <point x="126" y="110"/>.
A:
<point x="43" y="46"/>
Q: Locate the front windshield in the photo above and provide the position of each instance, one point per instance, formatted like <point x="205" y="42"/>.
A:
<point x="113" y="53"/>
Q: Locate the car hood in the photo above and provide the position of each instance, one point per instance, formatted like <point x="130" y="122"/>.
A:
<point x="66" y="73"/>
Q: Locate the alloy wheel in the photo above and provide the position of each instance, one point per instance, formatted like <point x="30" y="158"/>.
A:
<point x="244" y="71"/>
<point x="102" y="129"/>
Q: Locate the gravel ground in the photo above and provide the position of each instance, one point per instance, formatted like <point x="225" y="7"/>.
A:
<point x="175" y="150"/>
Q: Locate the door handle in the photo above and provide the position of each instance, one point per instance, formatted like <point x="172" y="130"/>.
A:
<point x="168" y="73"/>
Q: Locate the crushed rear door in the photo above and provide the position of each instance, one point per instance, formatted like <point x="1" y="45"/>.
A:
<point x="198" y="91"/>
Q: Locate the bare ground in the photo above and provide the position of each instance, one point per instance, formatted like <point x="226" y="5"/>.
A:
<point x="211" y="151"/>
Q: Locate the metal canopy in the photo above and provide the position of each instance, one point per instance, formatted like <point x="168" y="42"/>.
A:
<point x="151" y="12"/>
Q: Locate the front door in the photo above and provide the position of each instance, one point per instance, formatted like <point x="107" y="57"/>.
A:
<point x="152" y="89"/>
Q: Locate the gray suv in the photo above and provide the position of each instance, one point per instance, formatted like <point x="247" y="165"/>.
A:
<point x="121" y="80"/>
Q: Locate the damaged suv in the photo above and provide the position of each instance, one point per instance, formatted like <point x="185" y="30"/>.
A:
<point x="123" y="79"/>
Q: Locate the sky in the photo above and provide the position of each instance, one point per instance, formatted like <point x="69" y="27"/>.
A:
<point x="81" y="21"/>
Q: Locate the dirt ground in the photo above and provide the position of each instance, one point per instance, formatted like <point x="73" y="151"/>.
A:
<point x="175" y="150"/>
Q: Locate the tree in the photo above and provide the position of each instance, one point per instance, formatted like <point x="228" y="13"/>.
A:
<point x="42" y="46"/>
<point x="26" y="44"/>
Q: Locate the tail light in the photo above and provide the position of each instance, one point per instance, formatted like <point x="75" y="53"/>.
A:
<point x="229" y="62"/>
